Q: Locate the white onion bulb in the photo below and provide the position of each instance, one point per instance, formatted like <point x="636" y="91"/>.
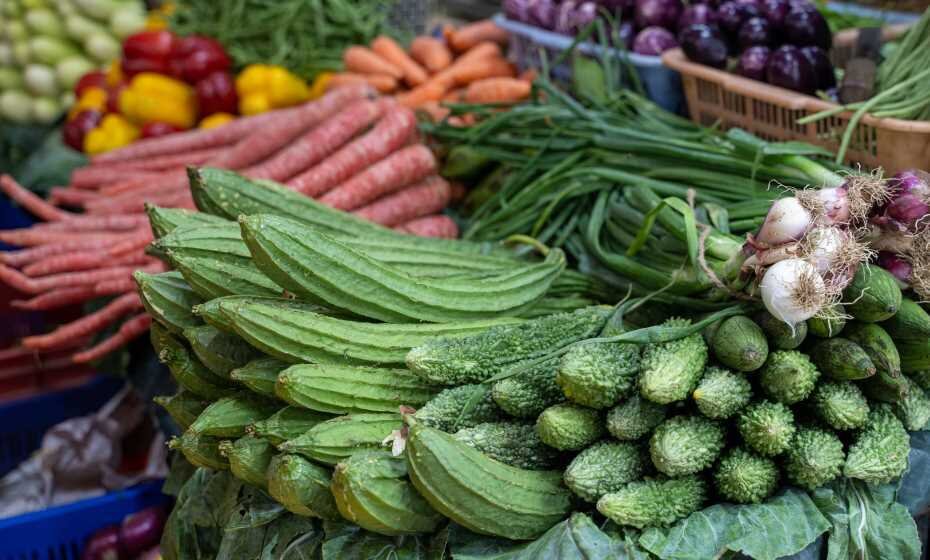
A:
<point x="793" y="291"/>
<point x="786" y="221"/>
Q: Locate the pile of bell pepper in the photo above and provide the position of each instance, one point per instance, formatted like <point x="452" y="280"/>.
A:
<point x="165" y="83"/>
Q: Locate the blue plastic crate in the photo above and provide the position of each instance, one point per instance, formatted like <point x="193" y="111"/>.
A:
<point x="662" y="84"/>
<point x="11" y="217"/>
<point x="24" y="422"/>
<point x="59" y="533"/>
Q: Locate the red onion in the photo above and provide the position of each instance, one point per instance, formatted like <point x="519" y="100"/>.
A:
<point x="142" y="530"/>
<point x="912" y="181"/>
<point x="898" y="267"/>
<point x="104" y="545"/>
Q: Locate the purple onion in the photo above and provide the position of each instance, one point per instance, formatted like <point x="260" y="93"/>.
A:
<point x="564" y="17"/>
<point x="753" y="61"/>
<point x="805" y="27"/>
<point x="697" y="13"/>
<point x="731" y="15"/>
<point x="805" y="5"/>
<point x="103" y="545"/>
<point x="775" y="11"/>
<point x="662" y="13"/>
<point x="898" y="267"/>
<point x="823" y="68"/>
<point x="517" y="10"/>
<point x="654" y="41"/>
<point x="625" y="34"/>
<point x="584" y="15"/>
<point x="704" y="45"/>
<point x="542" y="13"/>
<point x="142" y="530"/>
<point x="789" y="69"/>
<point x="755" y="31"/>
<point x="906" y="211"/>
<point x="912" y="181"/>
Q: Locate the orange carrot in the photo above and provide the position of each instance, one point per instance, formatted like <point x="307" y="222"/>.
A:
<point x="435" y="111"/>
<point x="129" y="331"/>
<point x="87" y="324"/>
<point x="483" y="69"/>
<point x="454" y="96"/>
<point x="381" y="82"/>
<point x="438" y="225"/>
<point x="431" y="53"/>
<point x="529" y="75"/>
<point x="422" y="199"/>
<point x="472" y="34"/>
<point x="498" y="90"/>
<point x="433" y="90"/>
<point x="389" y="50"/>
<point x="364" y="61"/>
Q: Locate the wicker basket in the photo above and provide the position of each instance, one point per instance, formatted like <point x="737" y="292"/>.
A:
<point x="770" y="112"/>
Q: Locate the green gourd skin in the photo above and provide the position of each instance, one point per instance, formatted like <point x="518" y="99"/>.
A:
<point x="186" y="369"/>
<point x="569" y="427"/>
<point x="598" y="375"/>
<point x="260" y="375"/>
<point x="840" y="404"/>
<point x="288" y="423"/>
<point x="911" y="322"/>
<point x="671" y="370"/>
<point x="888" y="384"/>
<point x="879" y="453"/>
<point x="347" y="389"/>
<point x="229" y="416"/>
<point x="913" y="409"/>
<point x="744" y="477"/>
<point x="312" y="264"/>
<point x="685" y="445"/>
<point x="827" y="327"/>
<point x="479" y="493"/>
<point x="635" y="418"/>
<point x="249" y="458"/>
<point x="221" y="352"/>
<point x="654" y="503"/>
<point x="478" y="357"/>
<point x="788" y="376"/>
<point x="295" y="335"/>
<point x="721" y="393"/>
<point x="372" y="490"/>
<point x="815" y="458"/>
<point x="740" y="344"/>
<point x="842" y="359"/>
<point x="301" y="486"/>
<point x="200" y="450"/>
<point x="212" y="278"/>
<point x="873" y="293"/>
<point x="767" y="427"/>
<point x="605" y="467"/>
<point x="168" y="299"/>
<point x="446" y="411"/>
<point x="915" y="355"/>
<point x="166" y="220"/>
<point x="513" y="443"/>
<point x="183" y="407"/>
<point x="781" y="336"/>
<point x="333" y="440"/>
<point x="527" y="394"/>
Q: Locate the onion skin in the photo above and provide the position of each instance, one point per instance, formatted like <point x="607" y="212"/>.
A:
<point x="104" y="545"/>
<point x="786" y="221"/>
<point x="835" y="205"/>
<point x="898" y="267"/>
<point x="781" y="286"/>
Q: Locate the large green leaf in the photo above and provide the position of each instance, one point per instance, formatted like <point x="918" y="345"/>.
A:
<point x="345" y="541"/>
<point x="782" y="526"/>
<point x="868" y="524"/>
<point x="914" y="491"/>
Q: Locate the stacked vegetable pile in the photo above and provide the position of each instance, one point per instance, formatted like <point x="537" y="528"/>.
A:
<point x="508" y="424"/>
<point x="354" y="152"/>
<point x="467" y="67"/>
<point x="45" y="47"/>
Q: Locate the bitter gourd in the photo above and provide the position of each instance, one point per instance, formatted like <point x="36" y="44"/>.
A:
<point x="788" y="376"/>
<point x="634" y="418"/>
<point x="569" y="427"/>
<point x="447" y="410"/>
<point x="527" y="394"/>
<point x="744" y="477"/>
<point x="669" y="371"/>
<point x="685" y="445"/>
<point x="654" y="503"/>
<point x="514" y="443"/>
<point x="605" y="467"/>
<point x="814" y="458"/>
<point x="598" y="375"/>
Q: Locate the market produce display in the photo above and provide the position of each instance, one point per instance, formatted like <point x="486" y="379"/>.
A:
<point x="634" y="411"/>
<point x="45" y="48"/>
<point x="351" y="150"/>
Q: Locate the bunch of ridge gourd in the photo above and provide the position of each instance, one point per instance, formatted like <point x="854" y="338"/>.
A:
<point x="308" y="344"/>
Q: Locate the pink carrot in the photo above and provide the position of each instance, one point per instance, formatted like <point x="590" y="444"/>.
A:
<point x="320" y="142"/>
<point x="129" y="331"/>
<point x="31" y="202"/>
<point x="387" y="136"/>
<point x="423" y="199"/>
<point x="67" y="196"/>
<point x="111" y="287"/>
<point x="25" y="284"/>
<point x="134" y="201"/>
<point x="88" y="324"/>
<point x="26" y="256"/>
<point x="117" y="222"/>
<point x="389" y="175"/>
<point x="81" y="261"/>
<point x="32" y="238"/>
<point x="135" y="242"/>
<point x="56" y="299"/>
<point x="431" y="226"/>
<point x="94" y="176"/>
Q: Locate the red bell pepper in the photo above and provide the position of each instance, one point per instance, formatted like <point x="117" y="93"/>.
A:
<point x="154" y="129"/>
<point x="148" y="51"/>
<point x="113" y="97"/>
<point x="74" y="131"/>
<point x="196" y="57"/>
<point x="95" y="78"/>
<point x="217" y="94"/>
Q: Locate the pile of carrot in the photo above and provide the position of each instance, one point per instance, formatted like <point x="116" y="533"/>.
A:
<point x="351" y="150"/>
<point x="467" y="65"/>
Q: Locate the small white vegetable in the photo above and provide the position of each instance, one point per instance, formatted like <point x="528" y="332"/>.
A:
<point x="793" y="291"/>
<point x="102" y="48"/>
<point x="67" y="99"/>
<point x="46" y="110"/>
<point x="126" y="21"/>
<point x="835" y="203"/>
<point x="823" y="247"/>
<point x="16" y="106"/>
<point x="45" y="22"/>
<point x="10" y="78"/>
<point x="16" y="31"/>
<point x="6" y="54"/>
<point x="22" y="54"/>
<point x="50" y="50"/>
<point x="41" y="80"/>
<point x="71" y="69"/>
<point x="786" y="221"/>
<point x="81" y="28"/>
<point x="100" y="9"/>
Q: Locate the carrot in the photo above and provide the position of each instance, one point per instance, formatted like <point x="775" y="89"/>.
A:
<point x="80" y="261"/>
<point x="129" y="331"/>
<point x="87" y="324"/>
<point x="389" y="50"/>
<point x="422" y="199"/>
<point x="454" y="96"/>
<point x="30" y="201"/>
<point x="135" y="242"/>
<point x="69" y="196"/>
<point x="470" y="35"/>
<point x="433" y="90"/>
<point x="365" y="61"/>
<point x="482" y="69"/>
<point x="69" y="279"/>
<point x="319" y="143"/>
<point x="25" y="256"/>
<point x="529" y="75"/>
<point x="435" y="110"/>
<point x="498" y="90"/>
<point x="431" y="53"/>
<point x="111" y="287"/>
<point x="381" y="82"/>
<point x="481" y="51"/>
<point x="56" y="299"/>
<point x="387" y="176"/>
<point x="389" y="134"/>
<point x="97" y="223"/>
<point x="438" y="225"/>
<point x="33" y="237"/>
<point x="93" y="176"/>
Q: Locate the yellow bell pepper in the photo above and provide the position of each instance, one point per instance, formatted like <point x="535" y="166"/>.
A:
<point x="153" y="97"/>
<point x="320" y="84"/>
<point x="115" y="74"/>
<point x="263" y="87"/>
<point x="93" y="98"/>
<point x="113" y="132"/>
<point x="216" y="119"/>
<point x="158" y="18"/>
